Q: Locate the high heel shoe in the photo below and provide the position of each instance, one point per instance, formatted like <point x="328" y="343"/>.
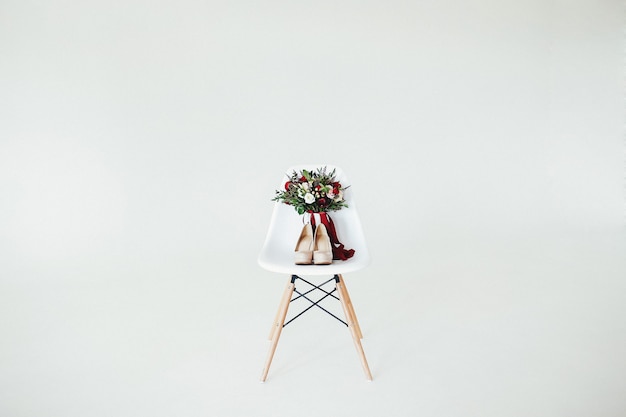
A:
<point x="322" y="249"/>
<point x="304" y="247"/>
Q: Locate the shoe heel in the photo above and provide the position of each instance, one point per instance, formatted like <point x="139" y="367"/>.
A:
<point x="303" y="254"/>
<point x="322" y="249"/>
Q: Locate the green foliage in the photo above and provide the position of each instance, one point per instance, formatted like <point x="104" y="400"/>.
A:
<point x="312" y="191"/>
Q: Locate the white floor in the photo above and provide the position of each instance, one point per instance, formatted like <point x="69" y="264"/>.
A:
<point x="467" y="324"/>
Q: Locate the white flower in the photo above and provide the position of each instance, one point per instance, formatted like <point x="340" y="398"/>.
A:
<point x="330" y="194"/>
<point x="308" y="198"/>
<point x="305" y="185"/>
<point x="339" y="196"/>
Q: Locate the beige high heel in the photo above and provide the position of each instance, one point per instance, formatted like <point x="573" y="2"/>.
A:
<point x="304" y="247"/>
<point x="322" y="249"/>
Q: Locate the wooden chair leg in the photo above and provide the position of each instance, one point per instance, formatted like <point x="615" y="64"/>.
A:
<point x="275" y="323"/>
<point x="351" y="308"/>
<point x="278" y="327"/>
<point x="343" y="297"/>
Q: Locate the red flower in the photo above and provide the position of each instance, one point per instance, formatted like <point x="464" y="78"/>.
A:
<point x="287" y="184"/>
<point x="321" y="201"/>
<point x="303" y="179"/>
<point x="336" y="184"/>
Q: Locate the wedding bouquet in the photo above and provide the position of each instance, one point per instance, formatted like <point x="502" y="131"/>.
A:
<point x="313" y="191"/>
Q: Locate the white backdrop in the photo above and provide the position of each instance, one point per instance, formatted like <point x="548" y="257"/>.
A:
<point x="146" y="138"/>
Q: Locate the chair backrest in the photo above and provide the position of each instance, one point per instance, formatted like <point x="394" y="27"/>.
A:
<point x="277" y="253"/>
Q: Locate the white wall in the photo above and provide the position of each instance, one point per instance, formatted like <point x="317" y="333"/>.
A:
<point x="142" y="127"/>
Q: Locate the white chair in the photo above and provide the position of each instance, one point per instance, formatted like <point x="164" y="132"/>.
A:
<point x="277" y="255"/>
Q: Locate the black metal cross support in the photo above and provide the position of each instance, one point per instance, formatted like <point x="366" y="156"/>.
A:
<point x="294" y="278"/>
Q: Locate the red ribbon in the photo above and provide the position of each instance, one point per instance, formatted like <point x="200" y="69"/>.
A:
<point x="339" y="251"/>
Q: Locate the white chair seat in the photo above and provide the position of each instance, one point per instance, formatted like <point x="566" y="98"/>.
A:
<point x="277" y="253"/>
